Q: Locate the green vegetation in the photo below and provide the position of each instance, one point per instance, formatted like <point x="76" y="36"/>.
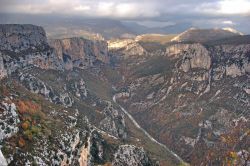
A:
<point x="154" y="65"/>
<point x="112" y="74"/>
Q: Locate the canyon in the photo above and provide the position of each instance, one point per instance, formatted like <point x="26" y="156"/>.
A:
<point x="124" y="102"/>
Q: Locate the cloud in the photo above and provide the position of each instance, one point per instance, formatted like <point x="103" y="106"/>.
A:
<point x="159" y="12"/>
<point x="225" y="7"/>
<point x="82" y="8"/>
<point x="127" y="8"/>
<point x="94" y="8"/>
<point x="228" y="22"/>
<point x="235" y="7"/>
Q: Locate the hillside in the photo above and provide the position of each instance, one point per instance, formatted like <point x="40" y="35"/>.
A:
<point x="55" y="111"/>
<point x="194" y="98"/>
<point x="203" y="35"/>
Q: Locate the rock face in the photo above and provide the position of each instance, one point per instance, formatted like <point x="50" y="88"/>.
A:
<point x="235" y="59"/>
<point x="193" y="56"/>
<point x="127" y="47"/>
<point x="59" y="116"/>
<point x="195" y="102"/>
<point x="129" y="155"/>
<point x="19" y="38"/>
<point x="79" y="52"/>
<point x="23" y="45"/>
<point x="3" y="71"/>
<point x="114" y="123"/>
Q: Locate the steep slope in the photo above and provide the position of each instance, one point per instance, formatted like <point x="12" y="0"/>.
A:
<point x="52" y="115"/>
<point x="23" y="45"/>
<point x="203" y="35"/>
<point x="193" y="98"/>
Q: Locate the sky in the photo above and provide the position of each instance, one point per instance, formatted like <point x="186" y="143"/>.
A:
<point x="151" y="13"/>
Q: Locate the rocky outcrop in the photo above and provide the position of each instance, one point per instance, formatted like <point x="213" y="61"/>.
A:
<point x="9" y="119"/>
<point x="18" y="38"/>
<point x="79" y="52"/>
<point x="232" y="59"/>
<point x="3" y="161"/>
<point x="128" y="47"/>
<point x="130" y="155"/>
<point x="3" y="71"/>
<point x="193" y="56"/>
<point x="196" y="56"/>
<point x="37" y="86"/>
<point x="23" y="45"/>
<point x="114" y="122"/>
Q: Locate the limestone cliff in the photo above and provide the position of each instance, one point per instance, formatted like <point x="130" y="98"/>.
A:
<point x="231" y="60"/>
<point x="79" y="52"/>
<point x="23" y="45"/>
<point x="127" y="47"/>
<point x="18" y="38"/>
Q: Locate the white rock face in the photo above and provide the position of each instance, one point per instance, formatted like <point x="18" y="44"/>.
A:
<point x="3" y="161"/>
<point x="130" y="155"/>
<point x="173" y="51"/>
<point x="114" y="122"/>
<point x="3" y="71"/>
<point x="9" y="120"/>
<point x="233" y="71"/>
<point x="118" y="44"/>
<point x="128" y="47"/>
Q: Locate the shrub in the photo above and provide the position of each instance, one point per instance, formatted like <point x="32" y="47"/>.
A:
<point x="21" y="142"/>
<point x="28" y="107"/>
<point x="25" y="125"/>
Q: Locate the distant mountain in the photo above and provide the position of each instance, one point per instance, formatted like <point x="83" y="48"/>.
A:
<point x="203" y="35"/>
<point x="172" y="29"/>
<point x="66" y="27"/>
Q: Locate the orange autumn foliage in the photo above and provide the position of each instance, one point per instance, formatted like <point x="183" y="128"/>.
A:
<point x="233" y="154"/>
<point x="25" y="125"/>
<point x="21" y="142"/>
<point x="28" y="107"/>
